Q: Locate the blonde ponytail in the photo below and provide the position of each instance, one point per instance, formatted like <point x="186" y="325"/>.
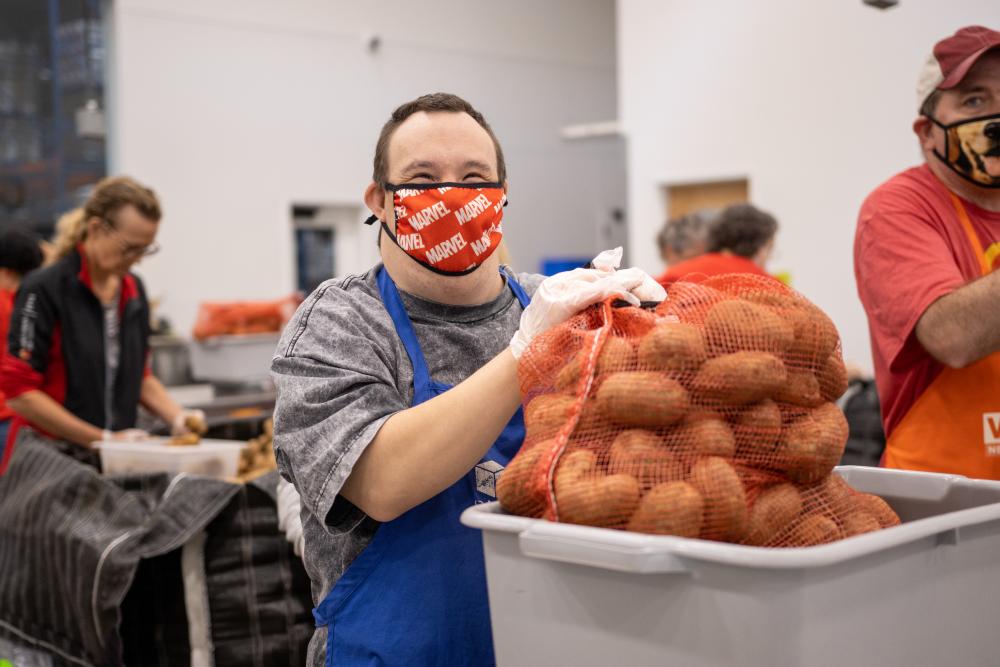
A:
<point x="71" y="229"/>
<point x="109" y="195"/>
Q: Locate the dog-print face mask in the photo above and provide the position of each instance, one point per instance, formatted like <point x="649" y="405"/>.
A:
<point x="972" y="149"/>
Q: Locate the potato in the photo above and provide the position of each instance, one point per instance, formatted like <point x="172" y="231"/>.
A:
<point x="737" y="325"/>
<point x="636" y="321"/>
<point x="587" y="497"/>
<point x="569" y="376"/>
<point x="575" y="465"/>
<point x="672" y="346"/>
<point x="775" y="509"/>
<point x="811" y="446"/>
<point x="709" y="436"/>
<point x="763" y="417"/>
<point x="674" y="508"/>
<point x="837" y="494"/>
<point x="641" y="398"/>
<point x="262" y="460"/>
<point x="546" y="414"/>
<point x="519" y="489"/>
<point x="617" y="354"/>
<point x="757" y="430"/>
<point x="815" y="335"/>
<point x="801" y="389"/>
<point x="832" y="378"/>
<point x="834" y="428"/>
<point x="689" y="301"/>
<point x="879" y="509"/>
<point x="783" y="300"/>
<point x="185" y="440"/>
<point x="859" y="523"/>
<point x="725" y="517"/>
<point x="196" y="424"/>
<point x="811" y="531"/>
<point x="741" y="377"/>
<point x="643" y="455"/>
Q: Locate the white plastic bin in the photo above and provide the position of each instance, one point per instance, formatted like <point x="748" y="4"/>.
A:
<point x="212" y="458"/>
<point x="923" y="593"/>
<point x="234" y="358"/>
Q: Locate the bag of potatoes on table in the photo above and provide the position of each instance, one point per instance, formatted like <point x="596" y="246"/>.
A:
<point x="711" y="415"/>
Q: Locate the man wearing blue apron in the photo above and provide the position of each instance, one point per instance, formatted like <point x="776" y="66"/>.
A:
<point x="398" y="401"/>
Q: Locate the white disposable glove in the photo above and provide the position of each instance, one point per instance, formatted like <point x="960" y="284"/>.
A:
<point x="189" y="421"/>
<point x="561" y="296"/>
<point x="289" y="515"/>
<point x="608" y="260"/>
<point x="127" y="435"/>
<point x="648" y="290"/>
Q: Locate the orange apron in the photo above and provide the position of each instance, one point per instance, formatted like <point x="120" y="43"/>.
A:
<point x="954" y="426"/>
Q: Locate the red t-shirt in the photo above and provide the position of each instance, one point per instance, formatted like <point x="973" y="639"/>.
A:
<point x="710" y="264"/>
<point x="910" y="249"/>
<point x="6" y="307"/>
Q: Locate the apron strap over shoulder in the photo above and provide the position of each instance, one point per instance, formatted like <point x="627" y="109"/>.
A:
<point x="404" y="326"/>
<point x="970" y="232"/>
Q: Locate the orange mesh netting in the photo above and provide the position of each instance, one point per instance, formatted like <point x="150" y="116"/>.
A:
<point x="243" y="317"/>
<point x="711" y="416"/>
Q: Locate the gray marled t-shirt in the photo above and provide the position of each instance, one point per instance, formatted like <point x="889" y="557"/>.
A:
<point x="341" y="371"/>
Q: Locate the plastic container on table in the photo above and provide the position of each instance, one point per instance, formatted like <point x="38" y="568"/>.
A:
<point x="244" y="358"/>
<point x="212" y="458"/>
<point x="923" y="593"/>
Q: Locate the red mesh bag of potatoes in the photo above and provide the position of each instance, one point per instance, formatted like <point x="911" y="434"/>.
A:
<point x="710" y="415"/>
<point x="239" y="318"/>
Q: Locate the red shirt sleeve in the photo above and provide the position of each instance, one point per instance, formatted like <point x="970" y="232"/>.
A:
<point x="6" y="308"/>
<point x="32" y="324"/>
<point x="902" y="264"/>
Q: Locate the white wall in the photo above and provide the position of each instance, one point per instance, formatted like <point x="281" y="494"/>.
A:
<point x="234" y="109"/>
<point x="811" y="100"/>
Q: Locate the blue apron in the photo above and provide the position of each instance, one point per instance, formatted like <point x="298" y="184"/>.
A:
<point x="417" y="594"/>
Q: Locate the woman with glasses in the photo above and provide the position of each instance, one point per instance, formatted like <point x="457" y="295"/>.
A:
<point x="77" y="368"/>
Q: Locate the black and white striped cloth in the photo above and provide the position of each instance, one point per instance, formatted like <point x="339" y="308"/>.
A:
<point x="71" y="541"/>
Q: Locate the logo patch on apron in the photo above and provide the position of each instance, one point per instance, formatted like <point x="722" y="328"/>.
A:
<point x="487" y="473"/>
<point x="991" y="433"/>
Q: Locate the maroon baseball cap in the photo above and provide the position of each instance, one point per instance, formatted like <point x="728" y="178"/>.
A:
<point x="952" y="59"/>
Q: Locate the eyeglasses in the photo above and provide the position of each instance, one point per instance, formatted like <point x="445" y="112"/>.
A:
<point x="131" y="249"/>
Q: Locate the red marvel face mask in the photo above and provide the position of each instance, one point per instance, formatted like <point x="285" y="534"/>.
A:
<point x="450" y="228"/>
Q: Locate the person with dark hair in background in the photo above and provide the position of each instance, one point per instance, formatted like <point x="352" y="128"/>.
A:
<point x="926" y="254"/>
<point x="20" y="254"/>
<point x="684" y="237"/>
<point x="739" y="241"/>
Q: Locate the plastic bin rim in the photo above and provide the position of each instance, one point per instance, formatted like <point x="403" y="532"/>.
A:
<point x="205" y="446"/>
<point x="238" y="339"/>
<point x="641" y="553"/>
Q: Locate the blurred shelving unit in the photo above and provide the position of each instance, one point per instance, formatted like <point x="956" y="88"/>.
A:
<point x="52" y="139"/>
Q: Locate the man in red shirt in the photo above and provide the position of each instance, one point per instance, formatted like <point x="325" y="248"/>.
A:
<point x="927" y="244"/>
<point x="739" y="241"/>
<point x="20" y="253"/>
